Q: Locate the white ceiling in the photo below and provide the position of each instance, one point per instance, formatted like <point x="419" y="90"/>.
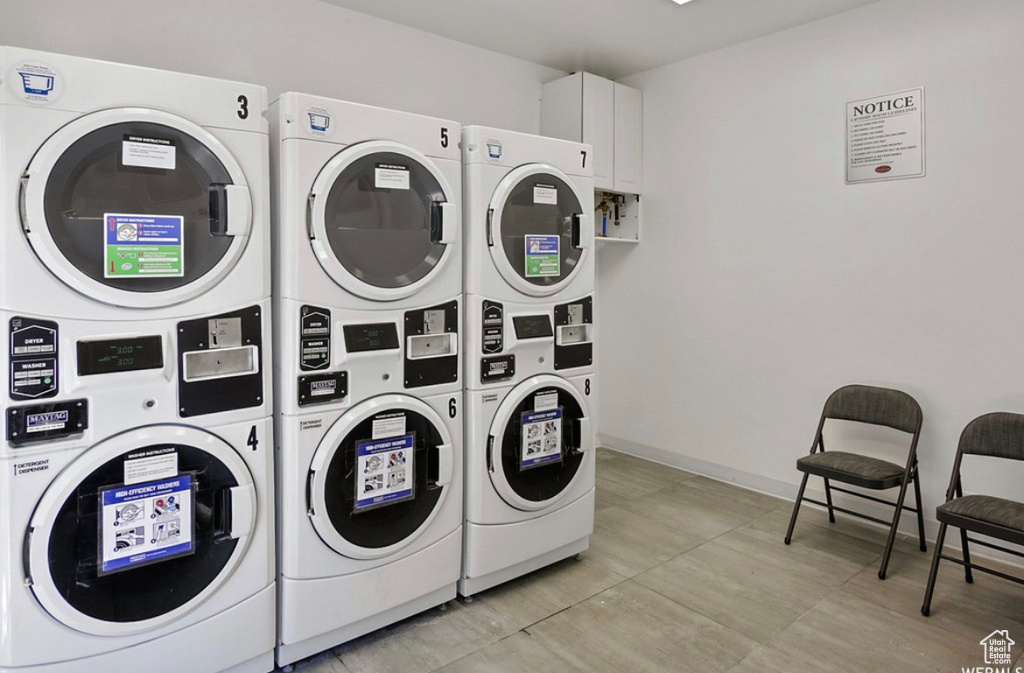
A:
<point x="613" y="38"/>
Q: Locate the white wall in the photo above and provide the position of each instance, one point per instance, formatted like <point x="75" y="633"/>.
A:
<point x="297" y="45"/>
<point x="763" y="282"/>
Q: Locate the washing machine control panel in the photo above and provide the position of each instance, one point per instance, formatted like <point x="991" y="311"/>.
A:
<point x="315" y="339"/>
<point x="128" y="354"/>
<point x="34" y="354"/>
<point x="378" y="336"/>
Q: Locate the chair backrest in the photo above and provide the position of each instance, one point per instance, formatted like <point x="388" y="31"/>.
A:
<point x="999" y="434"/>
<point x="877" y="406"/>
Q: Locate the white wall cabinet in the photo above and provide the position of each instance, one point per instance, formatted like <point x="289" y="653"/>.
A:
<point x="607" y="115"/>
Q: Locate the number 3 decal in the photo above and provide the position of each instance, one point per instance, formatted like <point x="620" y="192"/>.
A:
<point x="243" y="107"/>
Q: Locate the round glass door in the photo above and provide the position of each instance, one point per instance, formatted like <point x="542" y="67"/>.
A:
<point x="114" y="550"/>
<point x="382" y="220"/>
<point x="539" y="229"/>
<point x="380" y="476"/>
<point x="539" y="439"/>
<point x="131" y="207"/>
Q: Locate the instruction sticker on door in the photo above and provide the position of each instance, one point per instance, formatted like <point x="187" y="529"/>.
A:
<point x="384" y="471"/>
<point x="146" y="523"/>
<point x="143" y="246"/>
<point x="147" y="152"/>
<point x="542" y="257"/>
<point x="545" y="195"/>
<point x="542" y="438"/>
<point x="391" y="176"/>
<point x="159" y="464"/>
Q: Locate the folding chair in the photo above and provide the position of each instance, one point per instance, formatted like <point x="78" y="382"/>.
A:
<point x="875" y="406"/>
<point x="996" y="435"/>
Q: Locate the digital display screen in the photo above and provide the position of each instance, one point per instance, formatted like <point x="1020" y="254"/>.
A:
<point x="371" y="337"/>
<point x="532" y="326"/>
<point x="120" y="355"/>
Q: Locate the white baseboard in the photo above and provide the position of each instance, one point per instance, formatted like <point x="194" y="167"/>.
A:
<point x="788" y="490"/>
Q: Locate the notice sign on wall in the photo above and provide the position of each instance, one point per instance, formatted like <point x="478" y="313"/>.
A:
<point x="885" y="137"/>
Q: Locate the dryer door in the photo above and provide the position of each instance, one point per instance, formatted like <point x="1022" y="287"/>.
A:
<point x="382" y="220"/>
<point x="135" y="207"/>
<point x="538" y="232"/>
<point x="537" y="442"/>
<point x="140" y="530"/>
<point x="380" y="476"/>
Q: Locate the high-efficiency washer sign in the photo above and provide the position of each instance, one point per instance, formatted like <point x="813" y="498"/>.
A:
<point x="542" y="432"/>
<point x="542" y="255"/>
<point x="384" y="471"/>
<point x="140" y="246"/>
<point x="146" y="523"/>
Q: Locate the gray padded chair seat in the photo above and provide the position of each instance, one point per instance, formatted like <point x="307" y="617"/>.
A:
<point x="985" y="514"/>
<point x="853" y="469"/>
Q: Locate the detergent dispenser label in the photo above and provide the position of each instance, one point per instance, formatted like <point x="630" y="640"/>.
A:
<point x="384" y="472"/>
<point x="391" y="176"/>
<point x="542" y="438"/>
<point x="35" y="82"/>
<point x="148" y="152"/>
<point x="542" y="256"/>
<point x="140" y="246"/>
<point x="146" y="523"/>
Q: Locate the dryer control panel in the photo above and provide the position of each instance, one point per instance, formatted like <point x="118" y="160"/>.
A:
<point x="34" y="355"/>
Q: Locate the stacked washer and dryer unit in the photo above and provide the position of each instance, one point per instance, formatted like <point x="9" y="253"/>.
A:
<point x="530" y="375"/>
<point x="368" y="284"/>
<point x="136" y="468"/>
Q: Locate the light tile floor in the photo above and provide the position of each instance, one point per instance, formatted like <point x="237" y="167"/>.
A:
<point x="689" y="574"/>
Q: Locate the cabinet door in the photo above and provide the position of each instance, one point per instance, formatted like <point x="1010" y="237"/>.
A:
<point x="599" y="127"/>
<point x="628" y="152"/>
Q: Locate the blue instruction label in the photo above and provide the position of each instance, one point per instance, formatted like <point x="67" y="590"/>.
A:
<point x="146" y="523"/>
<point x="384" y="471"/>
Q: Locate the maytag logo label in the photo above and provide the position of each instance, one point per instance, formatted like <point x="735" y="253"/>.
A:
<point x="328" y="387"/>
<point x="52" y="420"/>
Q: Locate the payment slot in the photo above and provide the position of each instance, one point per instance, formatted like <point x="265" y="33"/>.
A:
<point x="219" y="363"/>
<point x="574" y="325"/>
<point x="432" y="345"/>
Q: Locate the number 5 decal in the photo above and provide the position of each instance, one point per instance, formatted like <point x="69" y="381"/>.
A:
<point x="444" y="137"/>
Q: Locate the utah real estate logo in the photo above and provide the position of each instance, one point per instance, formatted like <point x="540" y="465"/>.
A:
<point x="996" y="646"/>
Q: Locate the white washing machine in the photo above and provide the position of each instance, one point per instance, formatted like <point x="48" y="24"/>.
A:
<point x="136" y="476"/>
<point x="368" y="280"/>
<point x="530" y="376"/>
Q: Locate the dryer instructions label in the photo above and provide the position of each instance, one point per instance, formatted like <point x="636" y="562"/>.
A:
<point x="542" y="255"/>
<point x="542" y="438"/>
<point x="137" y="246"/>
<point x="384" y="472"/>
<point x="545" y="195"/>
<point x="148" y="152"/>
<point x="146" y="523"/>
<point x="391" y="176"/>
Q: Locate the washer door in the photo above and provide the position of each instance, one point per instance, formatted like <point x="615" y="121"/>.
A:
<point x="382" y="220"/>
<point x="537" y="442"/>
<point x="97" y="567"/>
<point x="538" y="232"/>
<point x="135" y="207"/>
<point x="380" y="476"/>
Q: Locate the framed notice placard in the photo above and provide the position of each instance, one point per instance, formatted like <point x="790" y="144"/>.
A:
<point x="885" y="137"/>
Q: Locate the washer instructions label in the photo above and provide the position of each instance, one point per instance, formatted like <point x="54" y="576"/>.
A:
<point x="542" y="255"/>
<point x="542" y="438"/>
<point x="148" y="152"/>
<point x="384" y="471"/>
<point x="389" y="426"/>
<point x="160" y="464"/>
<point x="391" y="176"/>
<point x="136" y="246"/>
<point x="146" y="523"/>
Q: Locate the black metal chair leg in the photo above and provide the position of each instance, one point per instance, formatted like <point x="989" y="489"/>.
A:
<point x="828" y="499"/>
<point x="796" y="508"/>
<point x="920" y="510"/>
<point x="926" y="607"/>
<point x="892" y="531"/>
<point x="964" y="544"/>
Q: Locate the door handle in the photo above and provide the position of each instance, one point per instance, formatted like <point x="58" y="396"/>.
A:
<point x="585" y="436"/>
<point x="582" y="232"/>
<point x="445" y="467"/>
<point x="230" y="210"/>
<point x="243" y="511"/>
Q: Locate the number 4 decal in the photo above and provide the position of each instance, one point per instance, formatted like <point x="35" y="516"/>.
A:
<point x="253" y="442"/>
